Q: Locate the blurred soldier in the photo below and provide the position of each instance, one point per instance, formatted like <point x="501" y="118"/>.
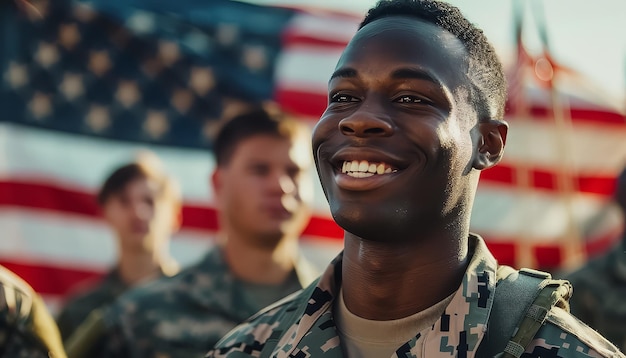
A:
<point x="415" y="108"/>
<point x="26" y="327"/>
<point x="600" y="285"/>
<point x="262" y="160"/>
<point x="142" y="206"/>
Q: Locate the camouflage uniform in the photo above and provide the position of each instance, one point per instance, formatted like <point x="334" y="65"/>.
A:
<point x="26" y="327"/>
<point x="600" y="294"/>
<point x="457" y="333"/>
<point x="185" y="315"/>
<point x="93" y="298"/>
<point x="78" y="307"/>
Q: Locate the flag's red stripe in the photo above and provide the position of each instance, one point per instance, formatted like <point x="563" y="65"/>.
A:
<point x="547" y="256"/>
<point x="47" y="197"/>
<point x="313" y="104"/>
<point x="44" y="196"/>
<point x="295" y="38"/>
<point x="595" y="116"/>
<point x="303" y="103"/>
<point x="48" y="279"/>
<point x="543" y="179"/>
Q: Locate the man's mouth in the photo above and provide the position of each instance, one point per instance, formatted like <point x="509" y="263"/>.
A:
<point x="365" y="169"/>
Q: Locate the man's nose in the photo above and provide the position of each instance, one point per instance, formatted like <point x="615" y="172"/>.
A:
<point x="141" y="211"/>
<point x="366" y="124"/>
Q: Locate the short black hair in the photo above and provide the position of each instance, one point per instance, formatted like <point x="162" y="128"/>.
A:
<point x="485" y="69"/>
<point x="261" y="120"/>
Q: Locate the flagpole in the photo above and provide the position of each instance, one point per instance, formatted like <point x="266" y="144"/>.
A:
<point x="524" y="256"/>
<point x="572" y="242"/>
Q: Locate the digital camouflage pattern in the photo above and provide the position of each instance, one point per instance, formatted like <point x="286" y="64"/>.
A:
<point x="184" y="315"/>
<point x="600" y="294"/>
<point x="457" y="333"/>
<point x="26" y="327"/>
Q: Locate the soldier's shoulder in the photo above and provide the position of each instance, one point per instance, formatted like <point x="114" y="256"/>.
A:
<point x="591" y="271"/>
<point x="158" y="293"/>
<point x="252" y="334"/>
<point x="567" y="336"/>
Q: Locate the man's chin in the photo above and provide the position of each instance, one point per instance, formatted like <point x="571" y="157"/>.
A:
<point x="138" y="243"/>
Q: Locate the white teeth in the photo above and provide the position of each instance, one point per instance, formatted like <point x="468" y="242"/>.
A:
<point x="360" y="174"/>
<point x="364" y="169"/>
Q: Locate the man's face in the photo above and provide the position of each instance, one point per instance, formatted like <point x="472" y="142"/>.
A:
<point x="258" y="192"/>
<point x="395" y="145"/>
<point x="140" y="216"/>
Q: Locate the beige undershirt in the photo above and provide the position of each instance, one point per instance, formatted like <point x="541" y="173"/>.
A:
<point x="364" y="338"/>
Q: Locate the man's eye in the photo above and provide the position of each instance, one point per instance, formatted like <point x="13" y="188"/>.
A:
<point x="410" y="99"/>
<point x="259" y="170"/>
<point x="340" y="97"/>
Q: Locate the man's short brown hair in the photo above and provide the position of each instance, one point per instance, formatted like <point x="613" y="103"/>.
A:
<point x="259" y="120"/>
<point x="140" y="169"/>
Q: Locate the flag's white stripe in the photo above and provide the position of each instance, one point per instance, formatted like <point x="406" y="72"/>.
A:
<point x="591" y="149"/>
<point x="81" y="163"/>
<point x="75" y="241"/>
<point x="338" y="29"/>
<point x="306" y="68"/>
<point x="78" y="242"/>
<point x="536" y="215"/>
<point x="85" y="161"/>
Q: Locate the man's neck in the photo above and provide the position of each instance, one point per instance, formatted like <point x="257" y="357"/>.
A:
<point x="260" y="265"/>
<point x="137" y="267"/>
<point x="383" y="281"/>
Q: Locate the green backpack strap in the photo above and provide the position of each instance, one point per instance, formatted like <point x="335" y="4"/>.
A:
<point x="522" y="300"/>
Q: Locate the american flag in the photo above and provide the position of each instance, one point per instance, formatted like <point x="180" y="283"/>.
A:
<point x="85" y="85"/>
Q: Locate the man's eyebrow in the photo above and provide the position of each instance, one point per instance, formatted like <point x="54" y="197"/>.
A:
<point x="414" y="73"/>
<point x="343" y="73"/>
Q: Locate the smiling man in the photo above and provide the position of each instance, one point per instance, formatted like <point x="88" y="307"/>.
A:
<point x="414" y="114"/>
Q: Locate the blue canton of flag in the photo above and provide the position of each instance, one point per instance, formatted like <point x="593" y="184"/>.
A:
<point x="154" y="72"/>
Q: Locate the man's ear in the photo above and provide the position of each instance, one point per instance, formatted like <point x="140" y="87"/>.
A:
<point x="216" y="180"/>
<point x="177" y="218"/>
<point x="491" y="143"/>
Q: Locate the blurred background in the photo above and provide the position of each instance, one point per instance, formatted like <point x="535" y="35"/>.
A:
<point x="84" y="85"/>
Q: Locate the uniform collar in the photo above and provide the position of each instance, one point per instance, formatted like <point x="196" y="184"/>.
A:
<point x="460" y="328"/>
<point x="213" y="283"/>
